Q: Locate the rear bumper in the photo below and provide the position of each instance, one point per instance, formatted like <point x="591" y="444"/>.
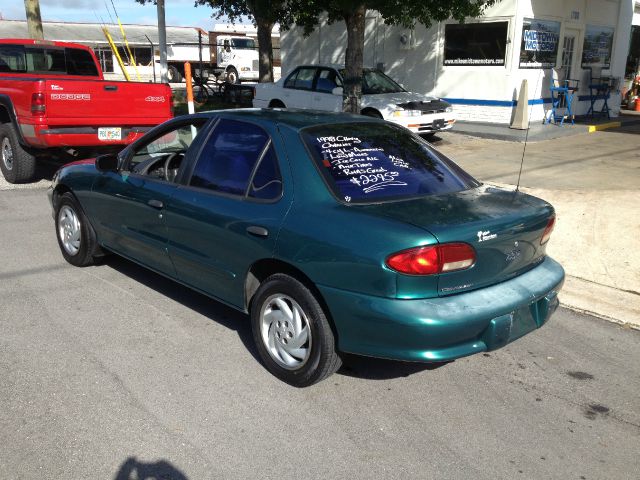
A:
<point x="43" y="136"/>
<point x="445" y="328"/>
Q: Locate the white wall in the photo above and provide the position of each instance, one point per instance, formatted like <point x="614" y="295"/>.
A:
<point x="419" y="63"/>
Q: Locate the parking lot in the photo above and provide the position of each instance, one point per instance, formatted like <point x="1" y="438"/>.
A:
<point x="115" y="372"/>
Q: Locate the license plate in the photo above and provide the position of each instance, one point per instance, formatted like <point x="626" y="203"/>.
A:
<point x="110" y="133"/>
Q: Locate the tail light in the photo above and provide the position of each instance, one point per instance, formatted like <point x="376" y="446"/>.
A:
<point x="37" y="104"/>
<point x="431" y="260"/>
<point x="547" y="231"/>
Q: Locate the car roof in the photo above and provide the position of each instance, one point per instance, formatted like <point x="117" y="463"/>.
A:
<point x="291" y="117"/>
<point x="49" y="43"/>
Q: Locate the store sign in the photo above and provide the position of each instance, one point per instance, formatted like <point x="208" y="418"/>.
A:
<point x="596" y="51"/>
<point x="536" y="41"/>
<point x="539" y="47"/>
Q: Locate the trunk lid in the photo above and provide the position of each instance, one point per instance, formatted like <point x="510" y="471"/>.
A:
<point x="504" y="228"/>
<point x="105" y="103"/>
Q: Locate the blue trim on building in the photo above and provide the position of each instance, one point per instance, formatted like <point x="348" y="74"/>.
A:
<point x="510" y="103"/>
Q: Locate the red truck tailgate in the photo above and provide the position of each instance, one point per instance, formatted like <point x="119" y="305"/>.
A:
<point x="109" y="104"/>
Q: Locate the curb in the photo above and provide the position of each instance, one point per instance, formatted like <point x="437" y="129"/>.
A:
<point x="604" y="126"/>
<point x="602" y="301"/>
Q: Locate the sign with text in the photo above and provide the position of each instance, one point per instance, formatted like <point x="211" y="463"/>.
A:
<point x="539" y="47"/>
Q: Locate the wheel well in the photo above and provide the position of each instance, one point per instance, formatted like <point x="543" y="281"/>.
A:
<point x="4" y="115"/>
<point x="264" y="268"/>
<point x="276" y="104"/>
<point x="58" y="192"/>
<point x="371" y="112"/>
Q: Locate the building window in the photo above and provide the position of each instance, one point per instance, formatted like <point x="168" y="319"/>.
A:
<point x="539" y="47"/>
<point x="475" y="43"/>
<point x="596" y="51"/>
<point x="105" y="57"/>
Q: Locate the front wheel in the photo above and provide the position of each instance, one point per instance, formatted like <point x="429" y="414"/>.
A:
<point x="76" y="237"/>
<point x="232" y="76"/>
<point x="292" y="333"/>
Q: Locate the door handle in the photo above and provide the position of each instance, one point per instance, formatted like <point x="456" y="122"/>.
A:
<point x="111" y="87"/>
<point x="257" y="231"/>
<point x="155" y="204"/>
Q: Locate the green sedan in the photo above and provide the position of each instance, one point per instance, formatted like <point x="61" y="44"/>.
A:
<point x="335" y="233"/>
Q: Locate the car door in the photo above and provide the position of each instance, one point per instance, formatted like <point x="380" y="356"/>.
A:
<point x="128" y="205"/>
<point x="298" y="87"/>
<point x="322" y="97"/>
<point x="230" y="213"/>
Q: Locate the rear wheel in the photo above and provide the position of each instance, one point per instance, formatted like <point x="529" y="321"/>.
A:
<point x="174" y="75"/>
<point x="371" y="113"/>
<point x="76" y="237"/>
<point x="292" y="333"/>
<point x="17" y="165"/>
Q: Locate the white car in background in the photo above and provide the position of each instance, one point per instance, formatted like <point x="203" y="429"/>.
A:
<point x="320" y="87"/>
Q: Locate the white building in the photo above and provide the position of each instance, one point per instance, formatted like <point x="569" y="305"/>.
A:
<point x="479" y="65"/>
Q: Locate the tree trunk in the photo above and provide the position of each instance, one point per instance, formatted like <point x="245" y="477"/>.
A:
<point x="34" y="22"/>
<point x="355" y="21"/>
<point x="265" y="51"/>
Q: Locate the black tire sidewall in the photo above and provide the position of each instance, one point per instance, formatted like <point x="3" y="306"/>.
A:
<point x="23" y="168"/>
<point x="311" y="371"/>
<point x="84" y="256"/>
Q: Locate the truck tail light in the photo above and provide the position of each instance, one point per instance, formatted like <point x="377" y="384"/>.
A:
<point x="37" y="104"/>
<point x="548" y="229"/>
<point x="431" y="260"/>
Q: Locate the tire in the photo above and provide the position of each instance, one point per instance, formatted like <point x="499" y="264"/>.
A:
<point x="300" y="353"/>
<point x="76" y="237"/>
<point x="371" y="113"/>
<point x="276" y="104"/>
<point x="17" y="165"/>
<point x="232" y="76"/>
<point x="174" y="75"/>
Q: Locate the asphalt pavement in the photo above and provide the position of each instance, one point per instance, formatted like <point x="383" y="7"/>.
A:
<point x="113" y="372"/>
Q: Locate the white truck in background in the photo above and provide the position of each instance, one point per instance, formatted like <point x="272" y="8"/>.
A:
<point x="233" y="58"/>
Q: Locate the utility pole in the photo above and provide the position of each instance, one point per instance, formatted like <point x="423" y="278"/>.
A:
<point x="34" y="22"/>
<point x="162" y="38"/>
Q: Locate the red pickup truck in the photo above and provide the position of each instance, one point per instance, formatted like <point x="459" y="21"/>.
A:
<point x="54" y="102"/>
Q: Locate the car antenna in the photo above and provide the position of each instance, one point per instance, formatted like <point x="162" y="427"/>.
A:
<point x="526" y="137"/>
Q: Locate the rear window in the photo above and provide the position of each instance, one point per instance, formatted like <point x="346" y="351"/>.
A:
<point x="56" y="60"/>
<point x="381" y="162"/>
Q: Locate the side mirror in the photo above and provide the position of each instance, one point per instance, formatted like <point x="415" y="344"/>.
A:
<point x="337" y="91"/>
<point x="107" y="162"/>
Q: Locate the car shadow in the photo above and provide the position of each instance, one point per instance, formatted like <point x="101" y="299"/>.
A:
<point x="370" y="368"/>
<point x="353" y="365"/>
<point x="199" y="303"/>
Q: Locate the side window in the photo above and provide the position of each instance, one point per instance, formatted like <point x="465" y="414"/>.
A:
<point x="327" y="81"/>
<point x="266" y="183"/>
<point x="290" y="82"/>
<point x="151" y="159"/>
<point x="80" y="62"/>
<point x="228" y="158"/>
<point x="12" y="58"/>
<point x="304" y="80"/>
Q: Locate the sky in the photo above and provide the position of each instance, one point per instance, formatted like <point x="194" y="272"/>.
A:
<point x="177" y="12"/>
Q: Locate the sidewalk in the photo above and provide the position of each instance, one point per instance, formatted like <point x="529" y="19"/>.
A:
<point x="592" y="180"/>
<point x="540" y="132"/>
